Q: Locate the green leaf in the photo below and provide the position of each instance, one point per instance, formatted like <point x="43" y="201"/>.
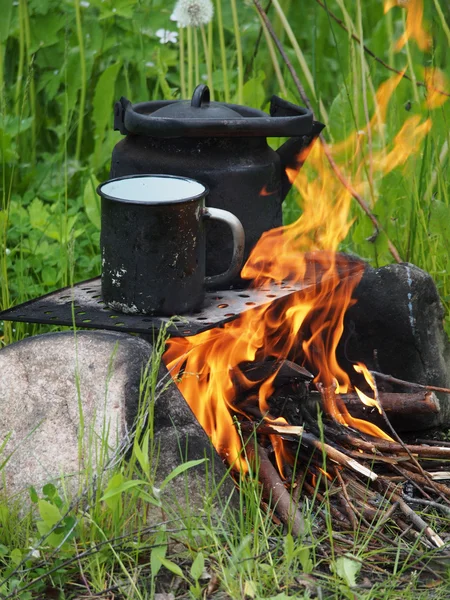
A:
<point x="440" y="218"/>
<point x="347" y="569"/>
<point x="158" y="552"/>
<point x="304" y="556"/>
<point x="181" y="469"/>
<point x="38" y="214"/>
<point x="198" y="567"/>
<point x="289" y="547"/>
<point x="49" y="490"/>
<point x="91" y="201"/>
<point x="49" y="275"/>
<point x="172" y="567"/>
<point x="253" y="91"/>
<point x="49" y="512"/>
<point x="16" y="556"/>
<point x="250" y="589"/>
<point x="123" y="487"/>
<point x="341" y="117"/>
<point x="362" y="230"/>
<point x="33" y="495"/>
<point x="45" y="30"/>
<point x="142" y="453"/>
<point x="103" y="106"/>
<point x="15" y="125"/>
<point x="5" y="11"/>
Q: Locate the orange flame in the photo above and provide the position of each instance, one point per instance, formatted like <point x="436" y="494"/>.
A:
<point x="304" y="326"/>
<point x="414" y="23"/>
<point x="360" y="368"/>
<point x="436" y="82"/>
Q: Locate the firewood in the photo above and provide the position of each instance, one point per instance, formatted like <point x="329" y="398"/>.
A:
<point x="274" y="489"/>
<point x="398" y="404"/>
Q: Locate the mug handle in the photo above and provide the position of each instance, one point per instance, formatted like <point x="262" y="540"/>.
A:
<point x="238" y="245"/>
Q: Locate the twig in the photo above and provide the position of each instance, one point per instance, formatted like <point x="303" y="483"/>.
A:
<point x="311" y="440"/>
<point x="414" y="460"/>
<point x="345" y="500"/>
<point x="375" y="444"/>
<point x="274" y="489"/>
<point x="440" y="443"/>
<point x="444" y="509"/>
<point x="440" y="488"/>
<point x="391" y="379"/>
<point x="410" y="454"/>
<point x="388" y="514"/>
<point x="412" y="479"/>
<point x="345" y="182"/>
<point x="249" y="66"/>
<point x="375" y="57"/>
<point x="415" y="518"/>
<point x="337" y="456"/>
<point x="337" y="514"/>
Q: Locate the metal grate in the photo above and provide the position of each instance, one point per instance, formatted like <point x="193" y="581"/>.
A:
<point x="82" y="304"/>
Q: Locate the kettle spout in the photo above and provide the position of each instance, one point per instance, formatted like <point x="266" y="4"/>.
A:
<point x="294" y="152"/>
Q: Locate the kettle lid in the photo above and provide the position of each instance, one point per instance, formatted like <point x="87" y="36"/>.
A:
<point x="200" y="107"/>
<point x="200" y="117"/>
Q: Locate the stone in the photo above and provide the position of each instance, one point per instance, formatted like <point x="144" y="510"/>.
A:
<point x="47" y="379"/>
<point x="396" y="327"/>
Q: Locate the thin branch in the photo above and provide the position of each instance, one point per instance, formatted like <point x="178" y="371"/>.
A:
<point x="421" y="386"/>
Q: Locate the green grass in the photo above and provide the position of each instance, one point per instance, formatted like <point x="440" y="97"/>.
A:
<point x="120" y="533"/>
<point x="62" y="65"/>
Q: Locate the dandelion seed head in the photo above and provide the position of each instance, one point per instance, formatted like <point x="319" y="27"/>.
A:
<point x="193" y="13"/>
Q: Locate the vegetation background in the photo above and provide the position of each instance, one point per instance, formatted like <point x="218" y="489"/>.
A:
<point x="63" y="63"/>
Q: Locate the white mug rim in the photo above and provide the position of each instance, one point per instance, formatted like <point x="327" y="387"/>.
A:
<point x="189" y="197"/>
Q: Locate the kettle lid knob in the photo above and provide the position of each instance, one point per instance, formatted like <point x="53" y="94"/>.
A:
<point x="201" y="96"/>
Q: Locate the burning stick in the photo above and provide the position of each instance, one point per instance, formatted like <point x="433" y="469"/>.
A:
<point x="312" y="441"/>
<point x="274" y="489"/>
<point x="338" y="456"/>
<point x="398" y="405"/>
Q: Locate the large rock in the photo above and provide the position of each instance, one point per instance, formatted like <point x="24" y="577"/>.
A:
<point x="48" y="381"/>
<point x="396" y="327"/>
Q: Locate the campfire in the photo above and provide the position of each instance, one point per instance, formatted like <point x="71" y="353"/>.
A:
<point x="268" y="387"/>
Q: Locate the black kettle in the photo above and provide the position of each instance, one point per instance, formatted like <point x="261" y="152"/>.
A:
<point x="224" y="147"/>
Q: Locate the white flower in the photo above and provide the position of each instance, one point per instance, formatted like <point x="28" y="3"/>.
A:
<point x="193" y="12"/>
<point x="84" y="4"/>
<point x="35" y="553"/>
<point x="166" y="36"/>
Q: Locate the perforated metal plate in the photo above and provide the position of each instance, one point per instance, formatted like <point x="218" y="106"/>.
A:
<point x="83" y="306"/>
